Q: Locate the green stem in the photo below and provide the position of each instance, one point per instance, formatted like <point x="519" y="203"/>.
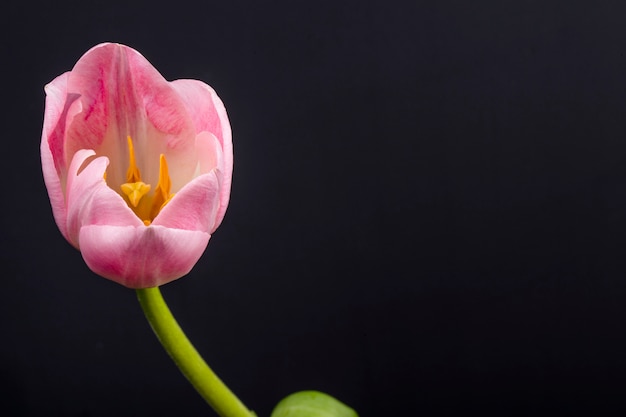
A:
<point x="190" y="363"/>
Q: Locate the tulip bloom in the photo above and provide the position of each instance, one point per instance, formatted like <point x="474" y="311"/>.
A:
<point x="138" y="169"/>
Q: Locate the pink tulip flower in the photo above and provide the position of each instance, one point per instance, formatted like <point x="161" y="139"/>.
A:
<point x="138" y="169"/>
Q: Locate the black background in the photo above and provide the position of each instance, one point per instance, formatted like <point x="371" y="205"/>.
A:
<point x="428" y="213"/>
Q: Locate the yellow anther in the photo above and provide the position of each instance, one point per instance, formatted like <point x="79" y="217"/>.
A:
<point x="165" y="184"/>
<point x="134" y="191"/>
<point x="133" y="174"/>
<point x="162" y="191"/>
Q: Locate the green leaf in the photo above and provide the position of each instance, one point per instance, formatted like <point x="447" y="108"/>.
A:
<point x="312" y="404"/>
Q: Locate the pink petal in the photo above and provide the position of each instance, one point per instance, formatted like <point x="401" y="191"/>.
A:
<point x="208" y="114"/>
<point x="54" y="118"/>
<point x="111" y="93"/>
<point x="194" y="207"/>
<point x="141" y="257"/>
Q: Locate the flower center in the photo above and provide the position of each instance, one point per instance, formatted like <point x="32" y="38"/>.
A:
<point x="136" y="192"/>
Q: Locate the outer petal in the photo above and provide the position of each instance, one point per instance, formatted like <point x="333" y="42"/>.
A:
<point x="52" y="160"/>
<point x="141" y="257"/>
<point x="209" y="114"/>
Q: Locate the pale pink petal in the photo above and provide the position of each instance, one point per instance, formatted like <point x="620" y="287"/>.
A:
<point x="141" y="257"/>
<point x="211" y="157"/>
<point x="227" y="170"/>
<point x="193" y="207"/>
<point x="89" y="199"/>
<point x="209" y="153"/>
<point x="209" y="114"/>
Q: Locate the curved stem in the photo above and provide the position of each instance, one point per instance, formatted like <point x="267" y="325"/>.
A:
<point x="190" y="363"/>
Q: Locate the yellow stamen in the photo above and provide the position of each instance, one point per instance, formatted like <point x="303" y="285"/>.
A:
<point x="165" y="184"/>
<point x="162" y="191"/>
<point x="135" y="190"/>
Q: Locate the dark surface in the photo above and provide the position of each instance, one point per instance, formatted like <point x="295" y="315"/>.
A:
<point x="428" y="213"/>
